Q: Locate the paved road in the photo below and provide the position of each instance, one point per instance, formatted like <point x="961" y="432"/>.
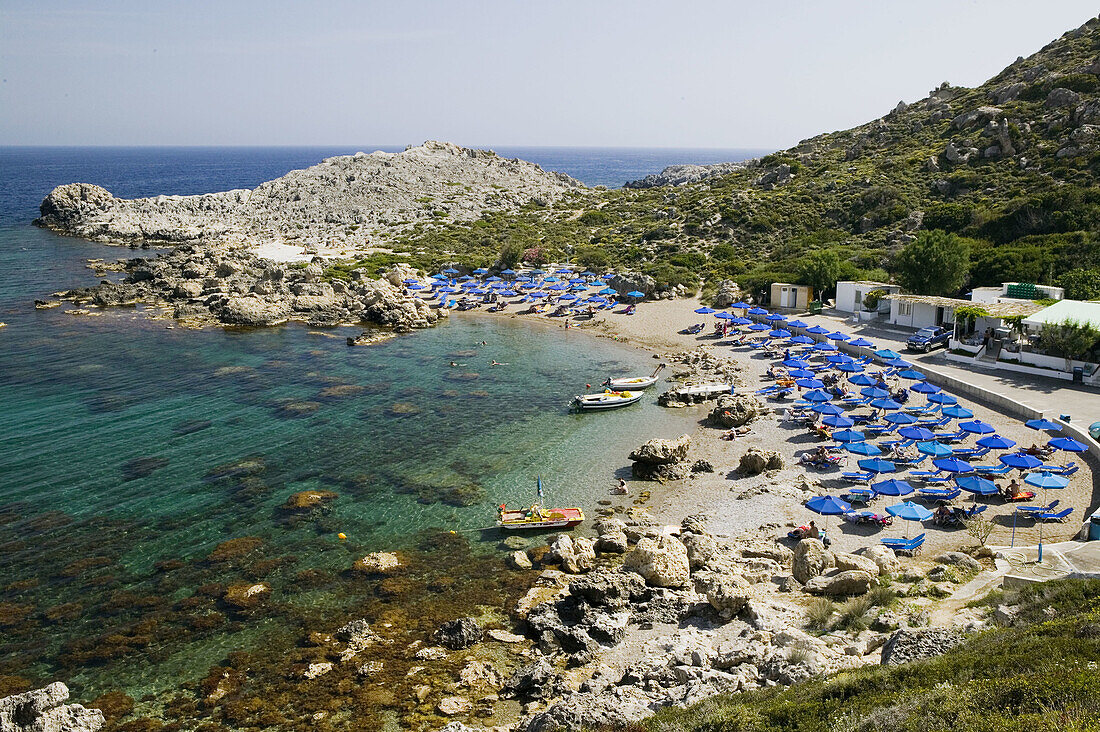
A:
<point x="1052" y="396"/>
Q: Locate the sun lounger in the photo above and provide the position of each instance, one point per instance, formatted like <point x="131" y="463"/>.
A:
<point x="928" y="476"/>
<point x="905" y="546"/>
<point x="1068" y="469"/>
<point x="951" y="436"/>
<point x="859" y="495"/>
<point x="939" y="494"/>
<point x="969" y="453"/>
<point x="867" y="517"/>
<point x="1059" y="517"/>
<point x="1034" y="511"/>
<point x="992" y="469"/>
<point x="858" y="476"/>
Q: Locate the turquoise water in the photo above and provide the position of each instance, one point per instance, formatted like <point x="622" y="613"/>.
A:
<point x="130" y="450"/>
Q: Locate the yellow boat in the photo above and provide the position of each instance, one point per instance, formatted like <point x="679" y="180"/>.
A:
<point x="538" y="517"/>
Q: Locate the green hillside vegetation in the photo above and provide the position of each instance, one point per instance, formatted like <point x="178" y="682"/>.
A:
<point x="1008" y="168"/>
<point x="1040" y="673"/>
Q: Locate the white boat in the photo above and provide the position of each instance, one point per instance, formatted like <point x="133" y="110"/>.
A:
<point x="606" y="400"/>
<point x="634" y="383"/>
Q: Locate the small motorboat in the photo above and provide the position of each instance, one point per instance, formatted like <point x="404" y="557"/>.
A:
<point x="634" y="383"/>
<point x="538" y="517"/>
<point x="606" y="400"/>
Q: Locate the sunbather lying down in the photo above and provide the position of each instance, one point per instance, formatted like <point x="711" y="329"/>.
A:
<point x="736" y="432"/>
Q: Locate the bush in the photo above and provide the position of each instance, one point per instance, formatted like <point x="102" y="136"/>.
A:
<point x="819" y="612"/>
<point x="935" y="264"/>
<point x="882" y="596"/>
<point x="854" y="613"/>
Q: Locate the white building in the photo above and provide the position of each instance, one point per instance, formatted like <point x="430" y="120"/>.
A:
<point x="1012" y="291"/>
<point x="923" y="311"/>
<point x="850" y="294"/>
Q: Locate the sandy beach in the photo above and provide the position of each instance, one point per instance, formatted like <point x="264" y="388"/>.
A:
<point x="770" y="504"/>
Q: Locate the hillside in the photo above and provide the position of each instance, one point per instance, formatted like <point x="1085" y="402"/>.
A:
<point x="1011" y="164"/>
<point x="1035" y="672"/>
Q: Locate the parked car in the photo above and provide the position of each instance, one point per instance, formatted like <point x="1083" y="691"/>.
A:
<point x="926" y="339"/>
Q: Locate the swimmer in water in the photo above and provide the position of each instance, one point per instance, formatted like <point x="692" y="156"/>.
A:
<point x="497" y="363"/>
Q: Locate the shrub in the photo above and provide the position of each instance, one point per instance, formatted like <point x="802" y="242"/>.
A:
<point x="881" y="596"/>
<point x="935" y="264"/>
<point x="980" y="528"/>
<point x="819" y="612"/>
<point x="854" y="613"/>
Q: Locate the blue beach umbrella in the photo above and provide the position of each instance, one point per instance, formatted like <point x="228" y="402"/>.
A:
<point x="862" y="380"/>
<point x="823" y="346"/>
<point x="779" y="333"/>
<point x="933" y="449"/>
<point x="740" y="306"/>
<point x="837" y="358"/>
<point x="564" y="270"/>
<point x="817" y="396"/>
<point x="740" y="321"/>
<point x="1020" y="461"/>
<point x="450" y="270"/>
<point x="635" y="293"/>
<point x="838" y="336"/>
<point x="598" y="283"/>
<point x="897" y="362"/>
<point x="977" y="485"/>
<point x="796" y="324"/>
<point x="810" y="383"/>
<point x="725" y="316"/>
<point x="588" y="273"/>
<point x="758" y="327"/>
<point x="608" y="291"/>
<point x="846" y="436"/>
<point x="861" y="343"/>
<point x="874" y="392"/>
<point x="977" y="427"/>
<point x="415" y="286"/>
<point x="862" y="448"/>
<point x="794" y="363"/>
<point x="508" y="272"/>
<point x="909" y="511"/>
<point x="837" y="421"/>
<point x="494" y="278"/>
<point x="758" y="311"/>
<point x="877" y="465"/>
<point x="568" y="296"/>
<point x="481" y="270"/>
<point x="817" y="330"/>
<point x="802" y="340"/>
<point x="1043" y="424"/>
<point x="802" y="374"/>
<point x="911" y="375"/>
<point x="885" y="404"/>
<point x="1046" y="480"/>
<point x="705" y="310"/>
<point x="1068" y="444"/>
<point x="886" y="353"/>
<point x="996" y="442"/>
<point x="957" y="412"/>
<point x="917" y="433"/>
<point x="775" y="318"/>
<point x="439" y="277"/>
<point x="552" y="279"/>
<point x="828" y="506"/>
<point x="942" y="398"/>
<point x="411" y="281"/>
<point x="825" y="408"/>
<point x="557" y="288"/>
<point x="900" y="418"/>
<point x="536" y="294"/>
<point x="849" y="368"/>
<point x="892" y="487"/>
<point x="923" y="387"/>
<point x="953" y="465"/>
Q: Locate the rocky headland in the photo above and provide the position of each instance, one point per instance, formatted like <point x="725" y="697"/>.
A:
<point x="682" y="175"/>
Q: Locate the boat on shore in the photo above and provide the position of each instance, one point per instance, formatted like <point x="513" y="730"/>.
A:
<point x="606" y="400"/>
<point x="538" y="517"/>
<point x="634" y="383"/>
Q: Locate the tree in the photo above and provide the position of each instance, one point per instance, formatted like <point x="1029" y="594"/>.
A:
<point x="980" y="528"/>
<point x="1081" y="284"/>
<point x="820" y="270"/>
<point x="935" y="263"/>
<point x="1069" y="339"/>
<point x="510" y="254"/>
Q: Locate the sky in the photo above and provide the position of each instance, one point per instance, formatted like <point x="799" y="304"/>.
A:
<point x="760" y="74"/>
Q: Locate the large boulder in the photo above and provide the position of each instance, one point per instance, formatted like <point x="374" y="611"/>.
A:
<point x="662" y="473"/>
<point x="729" y="292"/>
<point x="662" y="562"/>
<point x="735" y="410"/>
<point x="68" y="204"/>
<point x="883" y="557"/>
<point x="662" y="452"/>
<point x="253" y="310"/>
<point x="702" y="551"/>
<point x="726" y="592"/>
<point x="605" y="588"/>
<point x="844" y="561"/>
<point x="761" y="549"/>
<point x="910" y="645"/>
<point x="611" y="533"/>
<point x="810" y="559"/>
<point x="44" y="710"/>
<point x="964" y="562"/>
<point x="631" y="282"/>
<point x="756" y="461"/>
<point x="843" y="583"/>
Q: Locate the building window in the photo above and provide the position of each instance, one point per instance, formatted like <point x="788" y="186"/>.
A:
<point x="905" y="308"/>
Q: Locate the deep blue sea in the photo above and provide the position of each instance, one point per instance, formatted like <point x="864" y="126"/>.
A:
<point x="130" y="451"/>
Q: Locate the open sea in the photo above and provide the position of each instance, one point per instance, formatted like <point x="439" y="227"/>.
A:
<point x="143" y="470"/>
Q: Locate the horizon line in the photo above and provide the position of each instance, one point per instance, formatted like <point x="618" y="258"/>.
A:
<point x="379" y="147"/>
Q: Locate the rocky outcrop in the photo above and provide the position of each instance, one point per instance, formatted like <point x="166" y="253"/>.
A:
<point x="662" y="562"/>
<point x="910" y="645"/>
<point x="349" y="200"/>
<point x="458" y="634"/>
<point x="379" y="563"/>
<point x="679" y="175"/>
<point x="44" y="710"/>
<point x="841" y="583"/>
<point x="729" y="292"/>
<point x="660" y="459"/>
<point x="810" y="559"/>
<point x="883" y="557"/>
<point x="633" y="282"/>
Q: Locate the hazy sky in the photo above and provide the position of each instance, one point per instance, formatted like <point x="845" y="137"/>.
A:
<point x="765" y="73"/>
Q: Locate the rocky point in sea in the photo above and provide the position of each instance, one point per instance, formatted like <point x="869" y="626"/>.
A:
<point x="217" y="267"/>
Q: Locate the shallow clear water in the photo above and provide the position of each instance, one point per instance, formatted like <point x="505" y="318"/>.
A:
<point x="129" y="451"/>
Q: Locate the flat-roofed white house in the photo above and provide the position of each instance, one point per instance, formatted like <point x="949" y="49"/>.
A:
<point x="1016" y="291"/>
<point x="851" y="293"/>
<point x="923" y="311"/>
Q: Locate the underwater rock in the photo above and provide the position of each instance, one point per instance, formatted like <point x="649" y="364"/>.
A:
<point x="308" y="500"/>
<point x="402" y="409"/>
<point x="454" y="705"/>
<point x="252" y="465"/>
<point x="294" y="409"/>
<point x="142" y="467"/>
<point x="340" y="391"/>
<point x="379" y="563"/>
<point x="234" y="548"/>
<point x="189" y="426"/>
<point x="245" y="596"/>
<point x="44" y="710"/>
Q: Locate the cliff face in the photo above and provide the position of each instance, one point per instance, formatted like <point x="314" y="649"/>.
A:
<point x="356" y="200"/>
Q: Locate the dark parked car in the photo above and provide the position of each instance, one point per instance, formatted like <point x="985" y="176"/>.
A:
<point x="926" y="339"/>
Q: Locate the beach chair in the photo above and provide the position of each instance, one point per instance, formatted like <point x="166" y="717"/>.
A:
<point x="939" y="495"/>
<point x="905" y="546"/>
<point x="1068" y="469"/>
<point x="859" y="495"/>
<point x="970" y="453"/>
<point x="950" y="436"/>
<point x="1034" y="511"/>
<point x="910" y="462"/>
<point x="1059" y="517"/>
<point x="857" y="476"/>
<point x="992" y="469"/>
<point x="929" y="476"/>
